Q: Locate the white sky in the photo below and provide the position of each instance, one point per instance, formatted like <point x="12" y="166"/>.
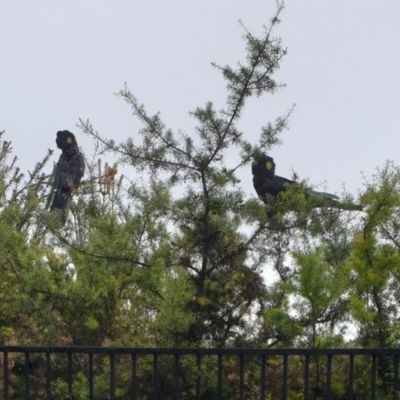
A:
<point x="63" y="60"/>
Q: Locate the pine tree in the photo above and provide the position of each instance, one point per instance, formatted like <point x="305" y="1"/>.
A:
<point x="208" y="240"/>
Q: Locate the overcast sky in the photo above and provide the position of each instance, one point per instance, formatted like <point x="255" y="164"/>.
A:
<point x="63" y="60"/>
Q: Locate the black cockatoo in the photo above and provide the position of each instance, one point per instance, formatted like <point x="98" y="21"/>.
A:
<point x="69" y="172"/>
<point x="267" y="183"/>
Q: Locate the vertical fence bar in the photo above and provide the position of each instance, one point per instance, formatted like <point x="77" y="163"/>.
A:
<point x="27" y="388"/>
<point x="284" y="377"/>
<point x="329" y="377"/>
<point x="373" y="377"/>
<point x="176" y="376"/>
<point x="69" y="373"/>
<point x="91" y="394"/>
<point x="155" y="375"/>
<point x="5" y="374"/>
<point x="112" y="376"/>
<point x="134" y="384"/>
<point x="241" y="377"/>
<point x="198" y="379"/>
<point x="262" y="379"/>
<point x="306" y="375"/>
<point x="219" y="377"/>
<point x="351" y="377"/>
<point x="48" y="376"/>
<point x="396" y="377"/>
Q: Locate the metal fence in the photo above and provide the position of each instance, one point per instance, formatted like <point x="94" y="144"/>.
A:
<point x="20" y="367"/>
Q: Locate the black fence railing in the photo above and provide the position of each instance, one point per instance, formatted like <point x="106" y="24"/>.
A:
<point x="229" y="374"/>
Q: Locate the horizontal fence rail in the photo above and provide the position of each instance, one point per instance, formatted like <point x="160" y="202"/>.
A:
<point x="165" y="373"/>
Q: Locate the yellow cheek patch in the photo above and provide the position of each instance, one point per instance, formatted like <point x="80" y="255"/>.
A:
<point x="268" y="165"/>
<point x="69" y="140"/>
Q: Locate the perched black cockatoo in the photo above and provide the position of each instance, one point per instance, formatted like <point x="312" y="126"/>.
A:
<point x="69" y="172"/>
<point x="265" y="183"/>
